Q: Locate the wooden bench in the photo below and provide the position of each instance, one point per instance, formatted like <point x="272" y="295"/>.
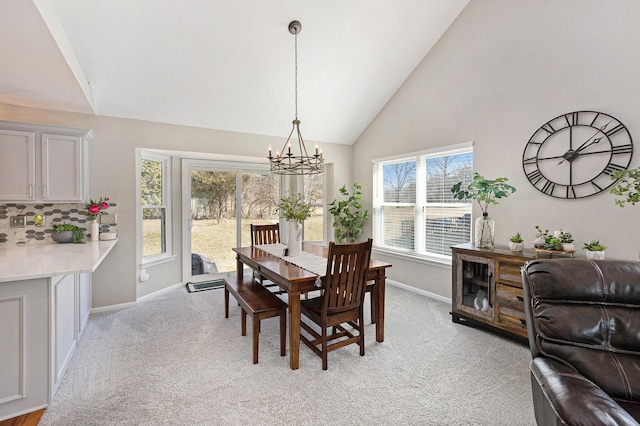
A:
<point x="260" y="303"/>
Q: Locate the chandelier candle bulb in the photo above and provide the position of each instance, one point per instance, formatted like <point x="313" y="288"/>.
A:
<point x="269" y="151"/>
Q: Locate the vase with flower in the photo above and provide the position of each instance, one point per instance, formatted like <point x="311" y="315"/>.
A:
<point x="95" y="208"/>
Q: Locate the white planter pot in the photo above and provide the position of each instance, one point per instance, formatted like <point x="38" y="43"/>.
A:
<point x="484" y="307"/>
<point x="294" y="239"/>
<point x="568" y="247"/>
<point x="595" y="255"/>
<point x="516" y="246"/>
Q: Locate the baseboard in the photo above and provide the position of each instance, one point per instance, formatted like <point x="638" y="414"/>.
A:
<point x="171" y="287"/>
<point x="111" y="308"/>
<point x="159" y="292"/>
<point x="419" y="291"/>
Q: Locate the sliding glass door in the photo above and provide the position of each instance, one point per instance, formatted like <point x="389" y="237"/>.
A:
<point x="220" y="202"/>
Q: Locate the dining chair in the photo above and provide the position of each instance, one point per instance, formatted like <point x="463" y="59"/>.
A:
<point x="341" y="301"/>
<point x="265" y="234"/>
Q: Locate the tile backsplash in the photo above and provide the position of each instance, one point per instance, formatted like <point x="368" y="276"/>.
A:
<point x="53" y="214"/>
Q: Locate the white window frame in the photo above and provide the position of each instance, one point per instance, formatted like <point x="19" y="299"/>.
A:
<point x="300" y="185"/>
<point x="168" y="255"/>
<point x="420" y="205"/>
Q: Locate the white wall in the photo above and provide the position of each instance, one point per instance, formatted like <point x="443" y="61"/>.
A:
<point x="112" y="168"/>
<point x="502" y="70"/>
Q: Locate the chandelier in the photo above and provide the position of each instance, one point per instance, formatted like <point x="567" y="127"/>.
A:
<point x="286" y="162"/>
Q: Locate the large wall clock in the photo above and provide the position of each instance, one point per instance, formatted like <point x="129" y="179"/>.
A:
<point x="575" y="154"/>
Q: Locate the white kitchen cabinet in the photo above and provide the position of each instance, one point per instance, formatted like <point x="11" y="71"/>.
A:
<point x="42" y="163"/>
<point x="64" y="336"/>
<point x="24" y="337"/>
<point x="83" y="292"/>
<point x="41" y="322"/>
<point x="17" y="165"/>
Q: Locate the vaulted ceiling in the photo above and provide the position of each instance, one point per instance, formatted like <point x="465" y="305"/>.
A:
<point x="221" y="64"/>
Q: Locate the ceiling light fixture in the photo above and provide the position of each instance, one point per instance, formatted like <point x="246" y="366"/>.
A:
<point x="286" y="163"/>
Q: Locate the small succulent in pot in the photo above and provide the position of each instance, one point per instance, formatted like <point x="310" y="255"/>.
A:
<point x="595" y="250"/>
<point x="567" y="241"/>
<point x="552" y="243"/>
<point x="516" y="242"/>
<point x="74" y="234"/>
<point x="541" y="236"/>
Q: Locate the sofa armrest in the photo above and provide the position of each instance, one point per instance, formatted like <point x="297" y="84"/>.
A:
<point x="570" y="398"/>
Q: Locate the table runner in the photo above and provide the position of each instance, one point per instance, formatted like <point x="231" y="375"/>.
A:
<point x="309" y="261"/>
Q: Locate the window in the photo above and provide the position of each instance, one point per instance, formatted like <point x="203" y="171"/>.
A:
<point x="155" y="177"/>
<point x="414" y="211"/>
<point x="313" y="189"/>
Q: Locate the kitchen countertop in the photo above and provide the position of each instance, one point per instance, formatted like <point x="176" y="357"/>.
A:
<point x="24" y="262"/>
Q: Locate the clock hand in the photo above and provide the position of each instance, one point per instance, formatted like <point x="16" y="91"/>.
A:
<point x="583" y="147"/>
<point x="571" y="154"/>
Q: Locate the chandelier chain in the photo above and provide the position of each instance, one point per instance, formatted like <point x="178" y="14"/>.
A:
<point x="296" y="74"/>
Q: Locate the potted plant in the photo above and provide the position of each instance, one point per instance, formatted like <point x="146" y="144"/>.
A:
<point x="481" y="302"/>
<point x="67" y="233"/>
<point x="567" y="241"/>
<point x="628" y="186"/>
<point x="516" y="243"/>
<point x="541" y="237"/>
<point x="295" y="210"/>
<point x="348" y="217"/>
<point x="485" y="192"/>
<point x="552" y="242"/>
<point x="595" y="250"/>
<point x="95" y="208"/>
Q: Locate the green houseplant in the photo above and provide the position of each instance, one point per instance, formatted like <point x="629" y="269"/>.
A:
<point x="485" y="192"/>
<point x="566" y="239"/>
<point x="595" y="249"/>
<point x="67" y="233"/>
<point x="348" y="217"/>
<point x="295" y="210"/>
<point x="516" y="243"/>
<point x="628" y="186"/>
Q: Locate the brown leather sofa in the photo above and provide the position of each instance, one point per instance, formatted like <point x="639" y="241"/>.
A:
<point x="583" y="319"/>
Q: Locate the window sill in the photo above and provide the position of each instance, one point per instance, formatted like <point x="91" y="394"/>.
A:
<point x="157" y="260"/>
<point x="414" y="257"/>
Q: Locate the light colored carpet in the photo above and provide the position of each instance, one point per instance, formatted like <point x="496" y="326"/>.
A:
<point x="175" y="360"/>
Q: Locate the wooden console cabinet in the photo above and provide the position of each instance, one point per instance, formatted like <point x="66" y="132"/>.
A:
<point x="496" y="272"/>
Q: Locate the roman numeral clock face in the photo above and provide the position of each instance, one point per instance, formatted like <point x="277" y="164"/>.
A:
<point x="575" y="154"/>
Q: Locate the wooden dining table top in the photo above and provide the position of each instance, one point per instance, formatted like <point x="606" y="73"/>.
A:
<point x="290" y="271"/>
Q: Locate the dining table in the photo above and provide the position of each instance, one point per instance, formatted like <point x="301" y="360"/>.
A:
<point x="296" y="281"/>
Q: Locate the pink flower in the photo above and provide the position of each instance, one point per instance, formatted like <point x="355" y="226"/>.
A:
<point x="94" y="208"/>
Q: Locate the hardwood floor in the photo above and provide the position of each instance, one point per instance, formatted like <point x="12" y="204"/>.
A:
<point x="30" y="419"/>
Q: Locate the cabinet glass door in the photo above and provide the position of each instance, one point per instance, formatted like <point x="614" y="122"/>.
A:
<point x="475" y="292"/>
